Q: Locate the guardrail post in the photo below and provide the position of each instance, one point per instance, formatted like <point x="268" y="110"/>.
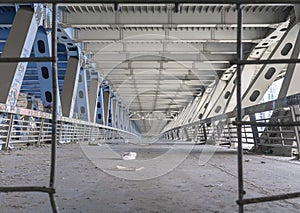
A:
<point x="296" y="129"/>
<point x="41" y="131"/>
<point x="254" y="131"/>
<point x="204" y="132"/>
<point x="73" y="138"/>
<point x="10" y="126"/>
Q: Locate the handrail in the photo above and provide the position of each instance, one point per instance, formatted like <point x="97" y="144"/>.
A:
<point x="270" y="105"/>
<point x="38" y="114"/>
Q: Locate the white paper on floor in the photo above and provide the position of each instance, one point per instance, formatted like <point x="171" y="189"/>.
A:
<point x="124" y="168"/>
<point x="129" y="156"/>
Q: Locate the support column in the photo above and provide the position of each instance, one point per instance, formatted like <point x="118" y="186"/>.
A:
<point x="290" y="84"/>
<point x="44" y="70"/>
<point x="125" y="117"/>
<point x="200" y="103"/>
<point x="114" y="111"/>
<point x="18" y="44"/>
<point x="269" y="72"/>
<point x="120" y="115"/>
<point x="106" y="104"/>
<point x="93" y="95"/>
<point x="82" y="99"/>
<point x="100" y="107"/>
<point x="70" y="86"/>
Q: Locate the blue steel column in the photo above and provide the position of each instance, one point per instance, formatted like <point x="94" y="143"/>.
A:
<point x="106" y="104"/>
<point x="82" y="100"/>
<point x="93" y="95"/>
<point x="19" y="44"/>
<point x="100" y="107"/>
<point x="114" y="113"/>
<point x="42" y="49"/>
<point x="70" y="86"/>
<point x="124" y="114"/>
<point x="120" y="115"/>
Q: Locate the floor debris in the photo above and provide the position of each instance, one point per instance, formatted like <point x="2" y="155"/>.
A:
<point x="124" y="168"/>
<point x="129" y="156"/>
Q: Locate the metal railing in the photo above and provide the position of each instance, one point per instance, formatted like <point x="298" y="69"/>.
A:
<point x="276" y="134"/>
<point x="24" y="126"/>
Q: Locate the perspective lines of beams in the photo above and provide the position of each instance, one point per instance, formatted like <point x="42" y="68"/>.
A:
<point x="159" y="57"/>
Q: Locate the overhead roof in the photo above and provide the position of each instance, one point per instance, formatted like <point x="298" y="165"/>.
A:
<point x="159" y="57"/>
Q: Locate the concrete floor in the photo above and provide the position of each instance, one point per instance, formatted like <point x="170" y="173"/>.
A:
<point x="169" y="178"/>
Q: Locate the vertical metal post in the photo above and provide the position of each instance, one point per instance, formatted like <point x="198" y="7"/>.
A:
<point x="11" y="123"/>
<point x="204" y="133"/>
<point x="254" y="131"/>
<point x="41" y="131"/>
<point x="296" y="129"/>
<point x="239" y="106"/>
<point x="54" y="110"/>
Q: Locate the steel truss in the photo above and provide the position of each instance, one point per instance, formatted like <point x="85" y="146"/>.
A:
<point x="239" y="62"/>
<point x="48" y="124"/>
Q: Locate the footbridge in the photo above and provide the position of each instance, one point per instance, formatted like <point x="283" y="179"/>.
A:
<point x="223" y="73"/>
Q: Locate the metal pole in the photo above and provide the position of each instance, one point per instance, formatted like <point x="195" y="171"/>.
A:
<point x="54" y="108"/>
<point x="296" y="129"/>
<point x="266" y="61"/>
<point x="9" y="130"/>
<point x="239" y="107"/>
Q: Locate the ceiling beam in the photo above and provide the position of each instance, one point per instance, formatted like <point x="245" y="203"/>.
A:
<point x="265" y="17"/>
<point x="158" y="47"/>
<point x="183" y="35"/>
<point x="159" y="1"/>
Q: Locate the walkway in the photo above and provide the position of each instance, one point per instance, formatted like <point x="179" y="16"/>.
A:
<point x="189" y="187"/>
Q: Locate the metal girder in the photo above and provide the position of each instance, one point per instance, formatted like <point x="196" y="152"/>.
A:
<point x="100" y="106"/>
<point x="114" y="111"/>
<point x="82" y="98"/>
<point x="194" y="66"/>
<point x="169" y="46"/>
<point x="263" y="50"/>
<point x="268" y="73"/>
<point x="290" y="84"/>
<point x="44" y="70"/>
<point x="93" y="95"/>
<point x="19" y="44"/>
<point x="159" y="1"/>
<point x="69" y="90"/>
<point x="125" y="118"/>
<point x="106" y="105"/>
<point x="180" y="57"/>
<point x="219" y="87"/>
<point x="168" y="17"/>
<point x="120" y="115"/>
<point x="196" y="35"/>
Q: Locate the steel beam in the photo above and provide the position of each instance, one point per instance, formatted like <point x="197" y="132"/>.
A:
<point x="106" y="104"/>
<point x="100" y="107"/>
<point x="263" y="50"/>
<point x="93" y="94"/>
<point x="158" y="1"/>
<point x="42" y="49"/>
<point x="19" y="44"/>
<point x="70" y="86"/>
<point x="114" y="111"/>
<point x="268" y="73"/>
<point x="125" y="118"/>
<point x="82" y="99"/>
<point x="197" y="35"/>
<point x="168" y="18"/>
<point x="290" y="85"/>
<point x="120" y="115"/>
<point x="220" y="85"/>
